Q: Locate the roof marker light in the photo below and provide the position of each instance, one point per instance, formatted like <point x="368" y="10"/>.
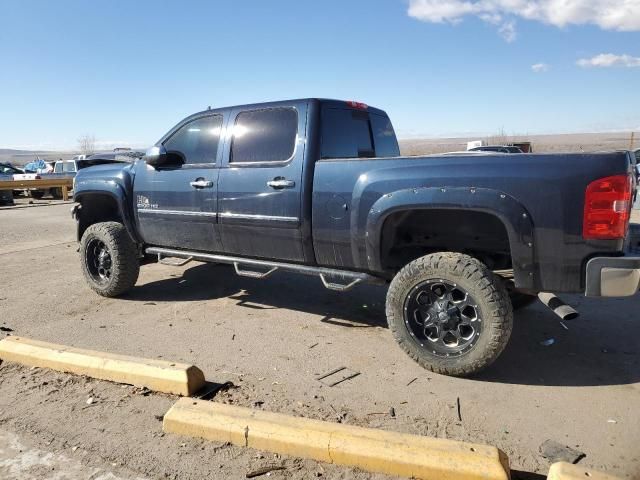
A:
<point x="358" y="105"/>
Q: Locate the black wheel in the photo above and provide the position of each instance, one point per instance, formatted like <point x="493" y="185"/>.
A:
<point x="56" y="193"/>
<point x="110" y="263"/>
<point x="521" y="300"/>
<point x="37" y="194"/>
<point x="450" y="313"/>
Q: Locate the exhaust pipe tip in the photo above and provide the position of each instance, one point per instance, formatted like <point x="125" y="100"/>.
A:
<point x="557" y="306"/>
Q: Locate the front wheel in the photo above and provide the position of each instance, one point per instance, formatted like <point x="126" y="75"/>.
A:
<point x="109" y="259"/>
<point x="450" y="313"/>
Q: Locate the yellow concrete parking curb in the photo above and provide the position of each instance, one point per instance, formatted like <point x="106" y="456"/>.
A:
<point x="157" y="375"/>
<point x="568" y="471"/>
<point x="369" y="449"/>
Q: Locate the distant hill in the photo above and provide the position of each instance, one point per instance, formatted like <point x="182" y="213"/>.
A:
<point x="22" y="157"/>
<point x="569" y="142"/>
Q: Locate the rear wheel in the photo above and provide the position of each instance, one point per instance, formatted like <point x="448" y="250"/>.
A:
<point x="109" y="260"/>
<point x="450" y="313"/>
<point x="37" y="194"/>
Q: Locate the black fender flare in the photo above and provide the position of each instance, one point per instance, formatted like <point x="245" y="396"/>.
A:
<point x="513" y="215"/>
<point x="115" y="191"/>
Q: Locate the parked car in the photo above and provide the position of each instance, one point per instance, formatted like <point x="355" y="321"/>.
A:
<point x="117" y="155"/>
<point x="462" y="152"/>
<point x="497" y="149"/>
<point x="33" y="171"/>
<point x="8" y="169"/>
<point x="69" y="168"/>
<point x="319" y="187"/>
<point x="6" y="196"/>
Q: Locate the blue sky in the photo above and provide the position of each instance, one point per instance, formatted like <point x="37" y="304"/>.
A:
<point x="126" y="71"/>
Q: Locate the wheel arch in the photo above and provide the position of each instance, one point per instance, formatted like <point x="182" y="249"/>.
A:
<point x="103" y="205"/>
<point x="510" y="213"/>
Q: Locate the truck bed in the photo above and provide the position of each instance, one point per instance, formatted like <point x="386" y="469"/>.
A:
<point x="550" y="188"/>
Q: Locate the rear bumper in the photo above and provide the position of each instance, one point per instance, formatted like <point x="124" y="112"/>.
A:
<point x="612" y="276"/>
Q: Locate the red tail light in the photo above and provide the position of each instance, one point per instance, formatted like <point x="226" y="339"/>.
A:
<point x="607" y="208"/>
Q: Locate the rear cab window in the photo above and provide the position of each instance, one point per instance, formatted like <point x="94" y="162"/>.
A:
<point x="65" y="167"/>
<point x="356" y="133"/>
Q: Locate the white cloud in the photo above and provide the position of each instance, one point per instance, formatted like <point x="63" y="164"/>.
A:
<point x="441" y="11"/>
<point x="540" y="67"/>
<point x="621" y="15"/>
<point x="609" y="60"/>
<point x="508" y="31"/>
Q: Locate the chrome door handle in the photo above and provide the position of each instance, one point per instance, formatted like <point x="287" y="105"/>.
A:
<point x="201" y="184"/>
<point x="281" y="183"/>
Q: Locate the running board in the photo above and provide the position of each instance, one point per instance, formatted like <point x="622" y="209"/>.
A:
<point x="351" y="278"/>
<point x="175" y="264"/>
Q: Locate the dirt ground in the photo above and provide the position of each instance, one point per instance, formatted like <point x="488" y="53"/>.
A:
<point x="272" y="339"/>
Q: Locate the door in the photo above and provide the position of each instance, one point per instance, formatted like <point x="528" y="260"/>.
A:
<point x="176" y="205"/>
<point x="260" y="183"/>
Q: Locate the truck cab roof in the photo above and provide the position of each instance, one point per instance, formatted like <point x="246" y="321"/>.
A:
<point x="283" y="103"/>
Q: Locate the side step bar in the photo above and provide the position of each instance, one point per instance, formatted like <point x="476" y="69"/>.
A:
<point x="351" y="279"/>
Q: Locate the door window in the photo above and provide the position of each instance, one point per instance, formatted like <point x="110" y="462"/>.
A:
<point x="197" y="141"/>
<point x="267" y="135"/>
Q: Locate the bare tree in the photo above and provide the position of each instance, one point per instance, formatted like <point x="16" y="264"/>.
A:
<point x="499" y="138"/>
<point x="87" y="144"/>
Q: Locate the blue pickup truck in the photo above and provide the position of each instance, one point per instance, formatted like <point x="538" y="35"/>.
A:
<point x="319" y="187"/>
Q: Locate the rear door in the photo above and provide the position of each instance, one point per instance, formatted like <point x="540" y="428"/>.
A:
<point x="261" y="183"/>
<point x="176" y="205"/>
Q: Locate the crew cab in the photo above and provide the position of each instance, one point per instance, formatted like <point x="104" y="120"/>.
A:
<point x="319" y="187"/>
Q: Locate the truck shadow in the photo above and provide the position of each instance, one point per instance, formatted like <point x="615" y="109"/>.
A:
<point x="362" y="307"/>
<point x="599" y="348"/>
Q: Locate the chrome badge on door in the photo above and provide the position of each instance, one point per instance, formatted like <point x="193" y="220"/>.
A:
<point x="144" y="203"/>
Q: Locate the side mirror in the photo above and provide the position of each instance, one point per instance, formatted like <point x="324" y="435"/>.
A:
<point x="158" y="155"/>
<point x="155" y="156"/>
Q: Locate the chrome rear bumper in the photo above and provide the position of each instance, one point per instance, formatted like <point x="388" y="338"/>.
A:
<point x="612" y="276"/>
